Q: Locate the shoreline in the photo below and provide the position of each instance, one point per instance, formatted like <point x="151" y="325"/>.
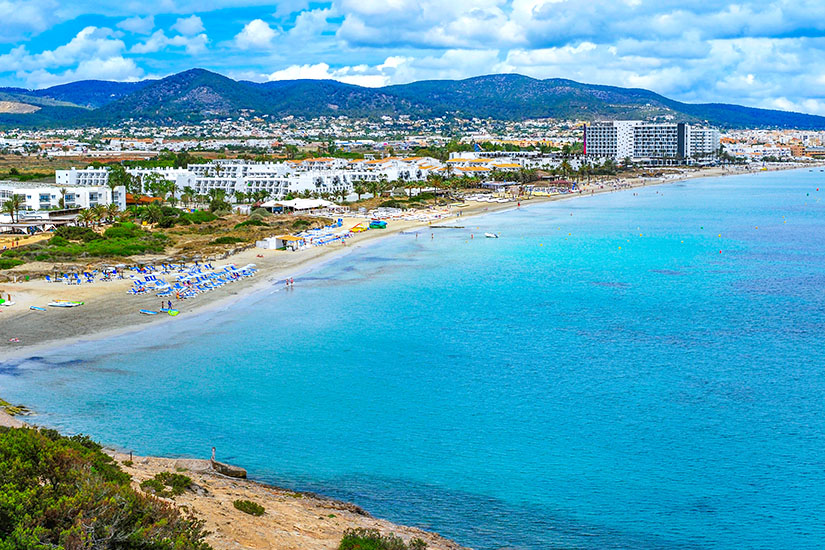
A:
<point x="303" y="264"/>
<point x="294" y="520"/>
<point x="107" y="313"/>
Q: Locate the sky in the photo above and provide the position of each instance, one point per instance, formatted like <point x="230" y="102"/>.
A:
<point x="764" y="54"/>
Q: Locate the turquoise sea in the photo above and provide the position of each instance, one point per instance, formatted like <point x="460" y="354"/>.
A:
<point x="641" y="369"/>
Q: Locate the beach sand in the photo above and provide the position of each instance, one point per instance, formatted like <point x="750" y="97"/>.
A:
<point x="292" y="520"/>
<point x="109" y="310"/>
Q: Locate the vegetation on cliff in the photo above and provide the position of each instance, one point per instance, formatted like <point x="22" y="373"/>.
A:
<point x="61" y="492"/>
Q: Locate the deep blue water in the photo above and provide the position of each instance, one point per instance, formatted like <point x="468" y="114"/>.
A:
<point x="601" y="376"/>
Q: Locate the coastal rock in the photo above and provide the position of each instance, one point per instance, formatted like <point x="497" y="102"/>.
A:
<point x="228" y="469"/>
<point x="193" y="465"/>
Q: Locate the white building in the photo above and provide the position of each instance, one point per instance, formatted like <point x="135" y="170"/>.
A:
<point x="642" y="141"/>
<point x="47" y="197"/>
<point x="277" y="179"/>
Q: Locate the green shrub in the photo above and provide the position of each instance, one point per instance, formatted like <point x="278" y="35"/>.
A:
<point x="301" y="224"/>
<point x="199" y="216"/>
<point x="57" y="240"/>
<point x="261" y="212"/>
<point x="372" y="539"/>
<point x="227" y="240"/>
<point x="166" y="484"/>
<point x="122" y="231"/>
<point x="8" y="263"/>
<point x="250" y="222"/>
<point x="422" y="196"/>
<point x="249" y="507"/>
<point x="64" y="492"/>
<point x="167" y="221"/>
<point x="170" y="211"/>
<point x="391" y="204"/>
<point x="76" y="233"/>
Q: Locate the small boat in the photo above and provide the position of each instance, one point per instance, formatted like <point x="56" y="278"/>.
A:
<point x="65" y="303"/>
<point x="173" y="312"/>
<point x="6" y="303"/>
<point x="148" y="312"/>
<point x="491" y="235"/>
<point x="37" y="308"/>
<point x="378" y="224"/>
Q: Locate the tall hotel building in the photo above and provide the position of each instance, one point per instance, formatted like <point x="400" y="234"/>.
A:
<point x="642" y="141"/>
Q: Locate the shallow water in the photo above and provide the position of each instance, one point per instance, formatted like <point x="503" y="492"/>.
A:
<point x="601" y="376"/>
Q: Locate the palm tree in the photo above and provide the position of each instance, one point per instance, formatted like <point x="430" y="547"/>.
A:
<point x="62" y="202"/>
<point x="99" y="212"/>
<point x="112" y="212"/>
<point x="12" y="206"/>
<point x="85" y="217"/>
<point x="374" y="187"/>
<point x="359" y="187"/>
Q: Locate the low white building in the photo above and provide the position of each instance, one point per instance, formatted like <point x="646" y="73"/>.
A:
<point x="47" y="197"/>
<point x="276" y="179"/>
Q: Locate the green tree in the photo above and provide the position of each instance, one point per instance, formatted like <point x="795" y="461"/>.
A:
<point x="359" y="187"/>
<point x="12" y="206"/>
<point x="118" y="176"/>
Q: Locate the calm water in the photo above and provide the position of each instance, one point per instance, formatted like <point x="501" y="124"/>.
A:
<point x="601" y="376"/>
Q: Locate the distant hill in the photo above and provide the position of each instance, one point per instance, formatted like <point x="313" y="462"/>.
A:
<point x="197" y="94"/>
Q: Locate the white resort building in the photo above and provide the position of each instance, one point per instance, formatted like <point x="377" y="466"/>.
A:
<point x="47" y="196"/>
<point x="277" y="179"/>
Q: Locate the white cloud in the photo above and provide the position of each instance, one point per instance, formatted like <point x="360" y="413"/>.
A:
<point x="193" y="45"/>
<point x="138" y="25"/>
<point x="256" y="35"/>
<point x="311" y="23"/>
<point x="23" y="17"/>
<point x="189" y="26"/>
<point x="394" y="69"/>
<point x="91" y="42"/>
<point x="112" y="68"/>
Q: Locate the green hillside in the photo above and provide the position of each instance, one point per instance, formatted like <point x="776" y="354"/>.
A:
<point x="197" y="95"/>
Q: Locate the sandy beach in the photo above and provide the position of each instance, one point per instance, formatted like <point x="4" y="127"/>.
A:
<point x="109" y="310"/>
<point x="292" y="520"/>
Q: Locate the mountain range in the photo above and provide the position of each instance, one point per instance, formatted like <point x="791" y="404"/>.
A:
<point x="196" y="95"/>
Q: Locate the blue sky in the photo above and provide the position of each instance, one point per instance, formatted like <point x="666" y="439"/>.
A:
<point x="765" y="54"/>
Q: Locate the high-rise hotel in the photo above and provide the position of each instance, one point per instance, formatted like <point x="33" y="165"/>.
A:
<point x="643" y="141"/>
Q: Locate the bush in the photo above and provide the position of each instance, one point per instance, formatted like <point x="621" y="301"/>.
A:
<point x="170" y="211"/>
<point x="227" y="240"/>
<point x="123" y="231"/>
<point x="8" y="263"/>
<point x="263" y="212"/>
<point x="166" y="222"/>
<point x="423" y="196"/>
<point x="301" y="224"/>
<point x="391" y="204"/>
<point x="57" y="240"/>
<point x="199" y="217"/>
<point x="251" y="222"/>
<point x="64" y="492"/>
<point x="372" y="539"/>
<point x="76" y="233"/>
<point x="249" y="507"/>
<point x="167" y="484"/>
